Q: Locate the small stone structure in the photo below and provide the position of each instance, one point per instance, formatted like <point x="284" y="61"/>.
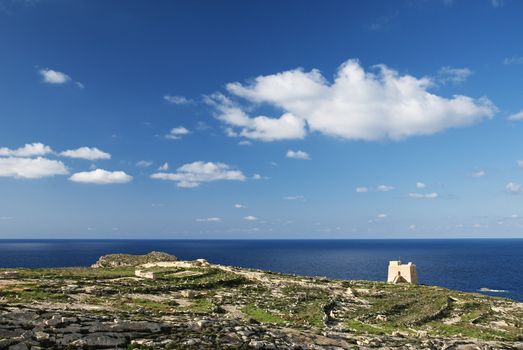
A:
<point x="402" y="273"/>
<point x="144" y="274"/>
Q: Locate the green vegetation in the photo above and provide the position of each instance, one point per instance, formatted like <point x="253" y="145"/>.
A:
<point x="75" y="273"/>
<point x="261" y="315"/>
<point x="199" y="305"/>
<point x="152" y="305"/>
<point x="28" y="293"/>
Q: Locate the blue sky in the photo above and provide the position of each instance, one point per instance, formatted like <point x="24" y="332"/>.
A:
<point x="257" y="119"/>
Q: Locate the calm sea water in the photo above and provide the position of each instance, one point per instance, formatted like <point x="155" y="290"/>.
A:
<point x="466" y="265"/>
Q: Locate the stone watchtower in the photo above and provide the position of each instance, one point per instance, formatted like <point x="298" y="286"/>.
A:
<point x="402" y="273"/>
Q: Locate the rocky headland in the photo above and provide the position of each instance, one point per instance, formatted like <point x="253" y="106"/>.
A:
<point x="157" y="302"/>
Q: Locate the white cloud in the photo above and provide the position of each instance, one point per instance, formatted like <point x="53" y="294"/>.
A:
<point x="177" y="100"/>
<point x="31" y="168"/>
<point x="453" y="75"/>
<point x="384" y="188"/>
<point x="420" y="185"/>
<point x="177" y="133"/>
<point x="101" y="177"/>
<point x="50" y="76"/>
<point x="497" y="3"/>
<point x="259" y="177"/>
<point x="358" y="105"/>
<point x="164" y="167"/>
<point x="412" y="227"/>
<point x="479" y="173"/>
<point x="239" y="206"/>
<point x="295" y="198"/>
<point x="144" y="163"/>
<point x="250" y="218"/>
<point x="381" y="216"/>
<point x="28" y="150"/>
<point x="519" y="163"/>
<point x="211" y="219"/>
<point x="514" y="188"/>
<point x="516" y="59"/>
<point x="245" y="143"/>
<point x="193" y="174"/>
<point x="86" y="153"/>
<point x="432" y="195"/>
<point x="298" y="155"/>
<point x="516" y="117"/>
<point x="362" y="189"/>
<point x="263" y="128"/>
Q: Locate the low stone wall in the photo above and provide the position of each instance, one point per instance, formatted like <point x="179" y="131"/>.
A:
<point x="182" y="264"/>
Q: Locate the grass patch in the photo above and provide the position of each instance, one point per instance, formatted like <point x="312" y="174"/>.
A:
<point x="76" y="273"/>
<point x="466" y="330"/>
<point x="27" y="295"/>
<point x="261" y="315"/>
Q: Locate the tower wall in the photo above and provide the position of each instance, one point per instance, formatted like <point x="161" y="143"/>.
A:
<point x="406" y="271"/>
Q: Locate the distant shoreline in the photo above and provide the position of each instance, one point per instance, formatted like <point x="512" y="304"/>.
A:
<point x="270" y="239"/>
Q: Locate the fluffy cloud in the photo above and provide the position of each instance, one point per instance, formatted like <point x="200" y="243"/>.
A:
<point x="358" y="105"/>
<point x="263" y="128"/>
<point x="420" y="185"/>
<point x="50" y="76"/>
<point x="193" y="174"/>
<point x="31" y="168"/>
<point x="432" y="195"/>
<point x="362" y="189"/>
<point x="453" y="75"/>
<point x="177" y="100"/>
<point x="164" y="167"/>
<point x="516" y="117"/>
<point x="514" y="188"/>
<point x="177" y="133"/>
<point x="250" y="218"/>
<point x="101" y="177"/>
<point x="298" y="155"/>
<point x="86" y="153"/>
<point x="28" y="150"/>
<point x="384" y="188"/>
<point x="211" y="219"/>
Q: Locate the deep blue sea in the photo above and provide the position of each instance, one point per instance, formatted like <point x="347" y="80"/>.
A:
<point x="466" y="265"/>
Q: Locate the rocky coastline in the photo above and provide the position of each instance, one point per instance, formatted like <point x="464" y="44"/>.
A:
<point x="198" y="305"/>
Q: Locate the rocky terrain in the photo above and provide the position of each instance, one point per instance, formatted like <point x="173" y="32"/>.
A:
<point x="157" y="302"/>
